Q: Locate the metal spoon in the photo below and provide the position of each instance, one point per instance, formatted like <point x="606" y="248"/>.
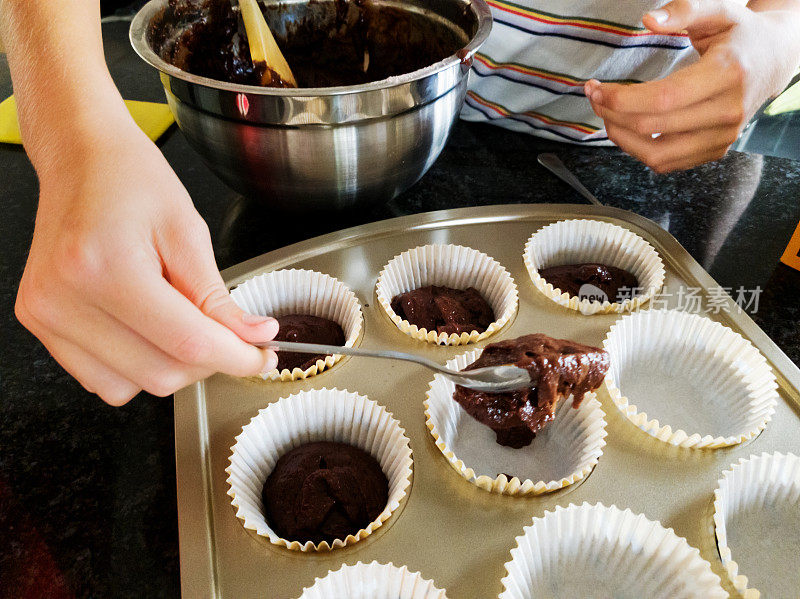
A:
<point x="553" y="164"/>
<point x="492" y="379"/>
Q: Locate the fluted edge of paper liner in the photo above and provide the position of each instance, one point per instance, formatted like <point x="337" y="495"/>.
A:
<point x="756" y="478"/>
<point x="559" y="538"/>
<point x="714" y="342"/>
<point x="363" y="580"/>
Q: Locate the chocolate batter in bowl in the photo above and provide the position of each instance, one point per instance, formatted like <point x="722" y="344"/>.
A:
<point x="326" y="43"/>
<point x="382" y="82"/>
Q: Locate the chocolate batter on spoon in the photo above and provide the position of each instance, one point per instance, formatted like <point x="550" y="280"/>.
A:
<point x="444" y="310"/>
<point x="304" y="328"/>
<point x="324" y="491"/>
<point x="558" y="368"/>
<point x="572" y="278"/>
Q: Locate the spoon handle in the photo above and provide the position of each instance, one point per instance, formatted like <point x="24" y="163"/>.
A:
<point x="553" y="164"/>
<point x="318" y="348"/>
<point x="489" y="378"/>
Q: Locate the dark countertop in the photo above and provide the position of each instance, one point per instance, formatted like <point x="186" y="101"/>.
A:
<point x="87" y="491"/>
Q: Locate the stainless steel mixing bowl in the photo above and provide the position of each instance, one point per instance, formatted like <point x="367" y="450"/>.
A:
<point x="324" y="149"/>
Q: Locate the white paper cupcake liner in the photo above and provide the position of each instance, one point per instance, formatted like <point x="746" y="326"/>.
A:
<point x="687" y="380"/>
<point x="578" y="241"/>
<point x="282" y="292"/>
<point x="564" y="452"/>
<point x="372" y="581"/>
<point x="767" y="488"/>
<point x="452" y="266"/>
<point x="599" y="551"/>
<point x="309" y="416"/>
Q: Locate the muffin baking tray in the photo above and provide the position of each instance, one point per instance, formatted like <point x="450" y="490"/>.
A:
<point x="449" y="530"/>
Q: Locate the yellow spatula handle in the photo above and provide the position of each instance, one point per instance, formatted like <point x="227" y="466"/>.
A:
<point x="263" y="47"/>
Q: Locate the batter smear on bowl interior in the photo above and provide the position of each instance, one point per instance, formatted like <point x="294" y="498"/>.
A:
<point x="558" y="368"/>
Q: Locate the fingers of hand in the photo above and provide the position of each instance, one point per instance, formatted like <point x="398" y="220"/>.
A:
<point x="92" y="374"/>
<point x="720" y="111"/>
<point x="163" y="316"/>
<point x="697" y="112"/>
<point x="71" y="293"/>
<point x="192" y="270"/>
<point x="110" y="343"/>
<point x="96" y="252"/>
<point x="216" y="303"/>
<point x="676" y="150"/>
<point x="705" y="154"/>
<point x="122" y="276"/>
<point x="703" y="16"/>
<point x="717" y="73"/>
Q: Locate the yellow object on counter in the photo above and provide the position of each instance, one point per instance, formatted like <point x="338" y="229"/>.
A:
<point x="152" y="117"/>
<point x="791" y="256"/>
<point x="788" y="101"/>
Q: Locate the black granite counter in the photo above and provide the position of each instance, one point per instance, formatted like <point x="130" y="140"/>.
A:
<point x="87" y="491"/>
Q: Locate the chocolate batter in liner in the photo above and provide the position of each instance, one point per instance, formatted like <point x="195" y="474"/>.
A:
<point x="558" y="368"/>
<point x="309" y="306"/>
<point x="593" y="243"/>
<point x="444" y="310"/>
<point x="342" y="491"/>
<point x="304" y="328"/>
<point x="324" y="491"/>
<point x="617" y="284"/>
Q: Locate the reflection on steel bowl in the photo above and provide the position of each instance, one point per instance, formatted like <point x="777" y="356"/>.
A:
<point x="325" y="148"/>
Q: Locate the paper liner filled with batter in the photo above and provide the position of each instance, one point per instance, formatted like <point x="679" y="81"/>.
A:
<point x="306" y="417"/>
<point x="579" y="241"/>
<point x="453" y="266"/>
<point x="307" y="292"/>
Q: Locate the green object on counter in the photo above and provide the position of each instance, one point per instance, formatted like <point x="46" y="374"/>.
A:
<point x="788" y="101"/>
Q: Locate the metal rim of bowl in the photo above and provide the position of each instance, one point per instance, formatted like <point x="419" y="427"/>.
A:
<point x="138" y="38"/>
